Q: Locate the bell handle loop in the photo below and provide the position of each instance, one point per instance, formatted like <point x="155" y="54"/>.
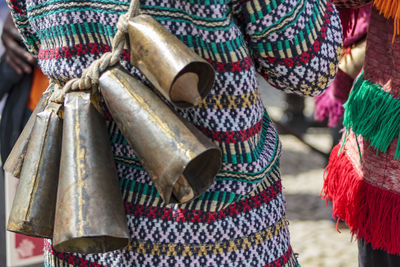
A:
<point x="90" y="77"/>
<point x="134" y="9"/>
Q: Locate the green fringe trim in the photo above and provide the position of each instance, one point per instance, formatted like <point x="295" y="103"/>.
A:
<point x="374" y="114"/>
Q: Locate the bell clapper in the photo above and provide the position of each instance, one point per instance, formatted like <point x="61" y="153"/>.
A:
<point x="185" y="88"/>
<point x="182" y="191"/>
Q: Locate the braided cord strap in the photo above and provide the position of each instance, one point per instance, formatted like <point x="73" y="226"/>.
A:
<point x="90" y="77"/>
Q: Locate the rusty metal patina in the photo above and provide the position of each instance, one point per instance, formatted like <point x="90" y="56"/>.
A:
<point x="167" y="62"/>
<point x="33" y="208"/>
<point x="90" y="216"/>
<point x="13" y="164"/>
<point x="169" y="147"/>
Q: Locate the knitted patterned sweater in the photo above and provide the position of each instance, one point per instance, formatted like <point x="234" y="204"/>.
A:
<point x="240" y="220"/>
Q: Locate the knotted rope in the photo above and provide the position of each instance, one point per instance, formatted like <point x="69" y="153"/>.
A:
<point x="90" y="77"/>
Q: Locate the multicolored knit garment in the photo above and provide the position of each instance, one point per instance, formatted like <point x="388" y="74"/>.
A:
<point x="240" y="220"/>
<point x="330" y="103"/>
<point x="363" y="175"/>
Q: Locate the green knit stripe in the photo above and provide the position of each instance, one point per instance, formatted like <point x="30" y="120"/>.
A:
<point x="133" y="189"/>
<point x="284" y="22"/>
<point x="272" y="165"/>
<point x="77" y="9"/>
<point x="199" y="2"/>
<point x="76" y="30"/>
<point x="181" y="13"/>
<point x="301" y="40"/>
<point x="234" y="156"/>
<point x="111" y="7"/>
<point x="30" y="40"/>
<point x="208" y="2"/>
<point x="229" y="50"/>
<point x="129" y="186"/>
<point x="374" y="114"/>
<point x="256" y="143"/>
<point x="52" y="2"/>
<point x="257" y="13"/>
<point x="223" y="26"/>
<point x="250" y="177"/>
<point x="73" y="31"/>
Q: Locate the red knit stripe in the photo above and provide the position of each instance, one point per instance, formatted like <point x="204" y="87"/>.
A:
<point x="77" y="50"/>
<point x="306" y="56"/>
<point x="283" y="260"/>
<point x="15" y="6"/>
<point x="238" y="66"/>
<point x="70" y="258"/>
<point x="199" y="216"/>
<point x="370" y="212"/>
<point x="98" y="49"/>
<point x="233" y="136"/>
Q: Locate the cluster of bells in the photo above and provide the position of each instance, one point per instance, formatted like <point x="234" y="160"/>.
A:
<point x="68" y="189"/>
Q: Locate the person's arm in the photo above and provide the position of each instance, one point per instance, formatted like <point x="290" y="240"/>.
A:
<point x="20" y="17"/>
<point x="16" y="55"/>
<point x="295" y="44"/>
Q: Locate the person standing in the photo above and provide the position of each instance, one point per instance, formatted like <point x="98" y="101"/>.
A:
<point x="363" y="175"/>
<point x="240" y="220"/>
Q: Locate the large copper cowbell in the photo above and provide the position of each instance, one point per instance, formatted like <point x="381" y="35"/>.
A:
<point x="15" y="159"/>
<point x="90" y="216"/>
<point x="168" y="147"/>
<point x="33" y="208"/>
<point x="166" y="61"/>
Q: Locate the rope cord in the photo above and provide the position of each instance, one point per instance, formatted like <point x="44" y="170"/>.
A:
<point x="90" y="77"/>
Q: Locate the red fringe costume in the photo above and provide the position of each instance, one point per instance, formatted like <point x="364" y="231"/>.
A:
<point x="362" y="178"/>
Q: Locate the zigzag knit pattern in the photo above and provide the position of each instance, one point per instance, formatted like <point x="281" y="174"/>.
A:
<point x="240" y="220"/>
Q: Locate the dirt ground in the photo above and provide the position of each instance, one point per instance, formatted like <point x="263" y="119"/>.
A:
<point x="313" y="234"/>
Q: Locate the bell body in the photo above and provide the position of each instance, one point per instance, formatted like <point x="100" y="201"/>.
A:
<point x="33" y="208"/>
<point x="352" y="63"/>
<point x="90" y="216"/>
<point x="166" y="61"/>
<point x="13" y="164"/>
<point x="167" y="145"/>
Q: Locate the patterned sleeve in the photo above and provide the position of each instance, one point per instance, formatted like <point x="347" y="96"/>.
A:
<point x="295" y="44"/>
<point x="20" y="17"/>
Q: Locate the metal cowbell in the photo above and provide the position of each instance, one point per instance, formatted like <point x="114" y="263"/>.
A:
<point x="181" y="161"/>
<point x="182" y="76"/>
<point x="90" y="216"/>
<point x="15" y="159"/>
<point x="33" y="207"/>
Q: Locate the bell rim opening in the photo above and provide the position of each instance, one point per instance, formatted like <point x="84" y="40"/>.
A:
<point x="202" y="69"/>
<point x="192" y="170"/>
<point x="29" y="230"/>
<point x="108" y="243"/>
